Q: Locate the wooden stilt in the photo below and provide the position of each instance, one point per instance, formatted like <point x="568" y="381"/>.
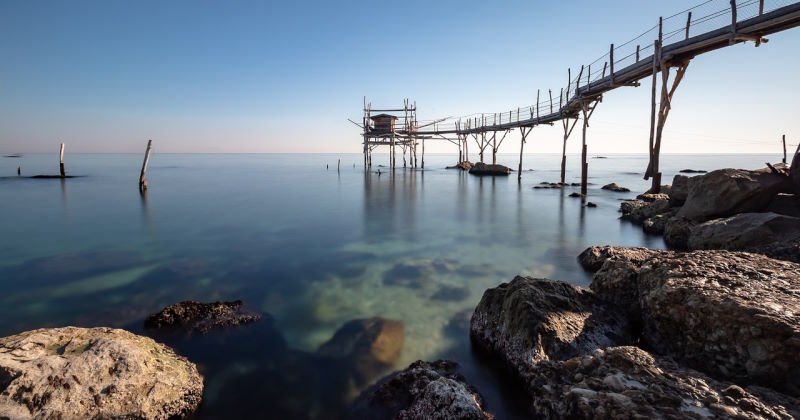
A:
<point x="784" y="148"/>
<point x="143" y="174"/>
<point x="423" y="153"/>
<point x="61" y="162"/>
<point x="524" y="133"/>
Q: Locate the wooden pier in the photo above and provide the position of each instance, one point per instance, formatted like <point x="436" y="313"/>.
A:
<point x="671" y="50"/>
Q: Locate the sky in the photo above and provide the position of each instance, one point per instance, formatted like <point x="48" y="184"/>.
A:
<point x="260" y="76"/>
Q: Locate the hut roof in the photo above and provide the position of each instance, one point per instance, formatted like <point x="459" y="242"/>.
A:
<point x="375" y="117"/>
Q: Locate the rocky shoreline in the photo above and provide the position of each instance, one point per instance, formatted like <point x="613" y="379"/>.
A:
<point x="709" y="328"/>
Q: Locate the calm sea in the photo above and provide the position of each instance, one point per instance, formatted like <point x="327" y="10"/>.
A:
<point x="311" y="246"/>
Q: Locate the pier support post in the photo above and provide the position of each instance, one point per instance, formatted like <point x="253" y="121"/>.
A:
<point x="567" y="131"/>
<point x="61" y="162"/>
<point x="423" y="153"/>
<point x="524" y="131"/>
<point x="143" y="174"/>
<point x="494" y="148"/>
<point x="657" y="123"/>
<point x="587" y="110"/>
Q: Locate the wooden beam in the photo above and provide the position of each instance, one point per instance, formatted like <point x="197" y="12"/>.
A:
<point x="688" y="23"/>
<point x="143" y="173"/>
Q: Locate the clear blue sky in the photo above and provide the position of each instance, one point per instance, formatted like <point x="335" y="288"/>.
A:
<point x="257" y="76"/>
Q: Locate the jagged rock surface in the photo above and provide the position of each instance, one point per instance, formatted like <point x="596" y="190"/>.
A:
<point x="94" y="373"/>
<point x="627" y="382"/>
<point x="592" y="258"/>
<point x="201" y="317"/>
<point x="732" y="315"/>
<point x="422" y="391"/>
<point x="529" y="320"/>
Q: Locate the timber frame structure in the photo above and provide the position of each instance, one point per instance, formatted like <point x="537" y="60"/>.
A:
<point x="673" y="48"/>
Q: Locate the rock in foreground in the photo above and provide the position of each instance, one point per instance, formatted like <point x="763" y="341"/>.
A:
<point x="732" y="315"/>
<point x="592" y="258"/>
<point x="94" y="373"/>
<point x="627" y="382"/>
<point x="482" y="169"/>
<point x="530" y="320"/>
<point x="201" y="317"/>
<point x="422" y="391"/>
<point x="744" y="231"/>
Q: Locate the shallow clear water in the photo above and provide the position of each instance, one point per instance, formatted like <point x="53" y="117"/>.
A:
<point x="311" y="246"/>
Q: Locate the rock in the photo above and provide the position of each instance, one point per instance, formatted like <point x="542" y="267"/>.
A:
<point x="614" y="187"/>
<point x="592" y="258"/>
<point x="627" y="382"/>
<point x="530" y="320"/>
<point x="575" y="195"/>
<point x="638" y="213"/>
<point x="732" y="315"/>
<point x="451" y="293"/>
<point x="680" y="190"/>
<point x="666" y="189"/>
<point x="656" y="224"/>
<point x="549" y="185"/>
<point x="677" y="231"/>
<point x="727" y="192"/>
<point x="482" y="169"/>
<point x="626" y="207"/>
<point x="201" y="317"/>
<point x="464" y="166"/>
<point x="367" y="346"/>
<point x="616" y="279"/>
<point x="785" y="204"/>
<point x="743" y="231"/>
<point x="94" y="373"/>
<point x="420" y="273"/>
<point x="692" y="171"/>
<point x="649" y="197"/>
<point x="591" y="204"/>
<point x="422" y="391"/>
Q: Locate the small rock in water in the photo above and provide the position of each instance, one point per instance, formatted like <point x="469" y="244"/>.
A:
<point x="576" y="194"/>
<point x="201" y="317"/>
<point x="482" y="169"/>
<point x="591" y="204"/>
<point x="424" y="390"/>
<point x="692" y="171"/>
<point x="76" y="373"/>
<point x="366" y="346"/>
<point x="614" y="187"/>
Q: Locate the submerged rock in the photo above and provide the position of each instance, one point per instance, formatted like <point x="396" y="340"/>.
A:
<point x="94" y="373"/>
<point x="201" y="317"/>
<point x="422" y="391"/>
<point x="451" y="293"/>
<point x="366" y="346"/>
<point x="614" y="187"/>
<point x="627" y="382"/>
<point x="744" y="231"/>
<point x="732" y="315"/>
<point x="481" y="169"/>
<point x="529" y="320"/>
<point x="727" y="192"/>
<point x="575" y="195"/>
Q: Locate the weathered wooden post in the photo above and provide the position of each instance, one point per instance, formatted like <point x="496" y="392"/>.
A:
<point x="524" y="135"/>
<point x="338" y="165"/>
<point x="423" y="153"/>
<point x="784" y="148"/>
<point x="143" y="174"/>
<point x="61" y="162"/>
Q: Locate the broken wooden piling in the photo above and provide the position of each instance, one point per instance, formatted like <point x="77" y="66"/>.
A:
<point x="143" y="173"/>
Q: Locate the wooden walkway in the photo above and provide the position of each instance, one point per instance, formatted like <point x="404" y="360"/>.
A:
<point x="673" y="48"/>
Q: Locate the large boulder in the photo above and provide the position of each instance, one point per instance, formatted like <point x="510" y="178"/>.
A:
<point x="732" y="315"/>
<point x="94" y="373"/>
<point x="743" y="231"/>
<point x="615" y="281"/>
<point x="629" y="383"/>
<point x="365" y="347"/>
<point x="680" y="190"/>
<point x="482" y="169"/>
<point x="422" y="391"/>
<point x="785" y="204"/>
<point x="529" y="320"/>
<point x="726" y="192"/>
<point x="201" y="317"/>
<point x="784" y="250"/>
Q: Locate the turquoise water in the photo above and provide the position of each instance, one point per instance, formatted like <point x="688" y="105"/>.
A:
<point x="311" y="246"/>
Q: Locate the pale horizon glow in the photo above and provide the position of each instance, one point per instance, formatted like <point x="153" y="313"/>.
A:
<point x="261" y="77"/>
